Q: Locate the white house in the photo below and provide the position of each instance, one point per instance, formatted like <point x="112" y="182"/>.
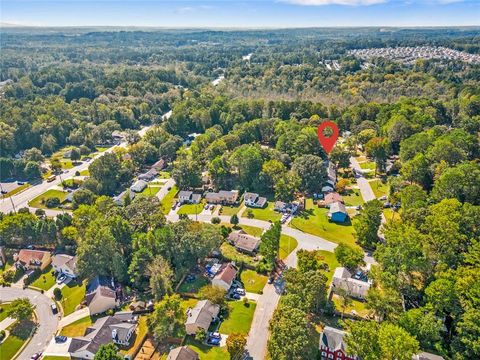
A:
<point x="138" y="186"/>
<point x="342" y="279"/>
<point x="101" y="295"/>
<point x="65" y="264"/>
<point x="224" y="278"/>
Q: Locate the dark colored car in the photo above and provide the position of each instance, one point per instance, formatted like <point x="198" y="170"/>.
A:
<point x="60" y="339"/>
<point x="213" y="341"/>
<point x="36" y="356"/>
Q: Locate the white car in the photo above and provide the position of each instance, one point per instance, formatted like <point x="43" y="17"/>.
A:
<point x="240" y="291"/>
<point x="61" y="278"/>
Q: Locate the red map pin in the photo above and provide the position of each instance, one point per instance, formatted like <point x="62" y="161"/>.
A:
<point x="327" y="142"/>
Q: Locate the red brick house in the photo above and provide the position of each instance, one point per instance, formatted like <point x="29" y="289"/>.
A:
<point x="332" y="346"/>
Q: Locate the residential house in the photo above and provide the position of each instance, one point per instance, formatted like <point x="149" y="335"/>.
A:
<point x="342" y="279"/>
<point x="332" y="345"/>
<point x="120" y="199"/>
<point x="101" y="295"/>
<point x="159" y="165"/>
<point x="222" y="197"/>
<point x="138" y="186"/>
<point x="426" y="356"/>
<point x="201" y="316"/>
<point x="149" y="175"/>
<point x="65" y="264"/>
<point x="182" y="353"/>
<point x="283" y="207"/>
<point x="244" y="242"/>
<point x="188" y="197"/>
<point x="117" y="329"/>
<point x="337" y="212"/>
<point x="254" y="200"/>
<point x="32" y="259"/>
<point x="224" y="278"/>
<point x="331" y="198"/>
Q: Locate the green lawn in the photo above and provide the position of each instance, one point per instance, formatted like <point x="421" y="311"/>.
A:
<point x="77" y="328"/>
<point x="252" y="281"/>
<point x="314" y="221"/>
<point x="191" y="209"/>
<point x="38" y="202"/>
<point x="167" y="201"/>
<point x="391" y="215"/>
<point x="151" y="190"/>
<point x="252" y="230"/>
<point x="206" y="352"/>
<point x="16" y="190"/>
<point x="264" y="214"/>
<point x="330" y="259"/>
<point x="353" y="197"/>
<point x="230" y="253"/>
<point x="367" y="165"/>
<point x="3" y="312"/>
<point x="193" y="287"/>
<point x="46" y="279"/>
<point x="72" y="295"/>
<point x="356" y="305"/>
<point x="229" y="210"/>
<point x="287" y="245"/>
<point x="379" y="188"/>
<point x="19" y="333"/>
<point x="239" y="318"/>
<point x="85" y="172"/>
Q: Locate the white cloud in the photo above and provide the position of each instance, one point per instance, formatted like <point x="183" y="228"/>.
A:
<point x="334" y="2"/>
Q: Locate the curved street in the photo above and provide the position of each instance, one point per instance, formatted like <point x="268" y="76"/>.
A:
<point x="47" y="321"/>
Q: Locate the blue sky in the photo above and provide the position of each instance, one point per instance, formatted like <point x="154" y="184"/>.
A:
<point x="247" y="13"/>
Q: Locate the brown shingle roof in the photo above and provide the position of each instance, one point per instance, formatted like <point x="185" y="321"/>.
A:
<point x="227" y="274"/>
<point x="332" y="197"/>
<point x="182" y="353"/>
<point x="26" y="256"/>
<point x="244" y="241"/>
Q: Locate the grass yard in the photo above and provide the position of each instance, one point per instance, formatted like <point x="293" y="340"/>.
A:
<point x="206" y="352"/>
<point x="353" y="197"/>
<point x="164" y="175"/>
<point x="229" y="210"/>
<point x="191" y="209"/>
<point x="252" y="281"/>
<point x="167" y="201"/>
<point x="355" y="306"/>
<point x="3" y="312"/>
<point x="287" y="245"/>
<point x="72" y="295"/>
<point x="330" y="259"/>
<point x="85" y="172"/>
<point x="19" y="334"/>
<point x="38" y="202"/>
<point x="188" y="303"/>
<point x="239" y="318"/>
<point x="314" y="221"/>
<point x="193" y="287"/>
<point x="252" y="230"/>
<point x="229" y="252"/>
<point x="151" y="190"/>
<point x="391" y="215"/>
<point x="46" y="279"/>
<point x="264" y="214"/>
<point x="379" y="188"/>
<point x="77" y="328"/>
<point x="367" y="165"/>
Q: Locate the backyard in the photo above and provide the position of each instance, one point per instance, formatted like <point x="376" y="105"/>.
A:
<point x="46" y="279"/>
<point x="230" y="253"/>
<point x="193" y="286"/>
<point x="264" y="214"/>
<point x="354" y="307"/>
<point x="39" y="201"/>
<point x="252" y="281"/>
<point x="72" y="295"/>
<point x="314" y="221"/>
<point x="167" y="201"/>
<point x="239" y="318"/>
<point x="206" y="352"/>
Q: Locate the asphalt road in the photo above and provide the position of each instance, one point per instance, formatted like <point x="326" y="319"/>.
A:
<point x="46" y="320"/>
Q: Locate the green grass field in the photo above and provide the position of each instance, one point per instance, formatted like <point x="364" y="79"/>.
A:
<point x="72" y="295"/>
<point x="77" y="328"/>
<point x="151" y="190"/>
<point x="191" y="209"/>
<point x="252" y="230"/>
<point x="314" y="221"/>
<point x="367" y="165"/>
<point x="16" y="190"/>
<point x="3" y="313"/>
<point x="352" y="197"/>
<point x="19" y="334"/>
<point x="239" y="318"/>
<point x="379" y="188"/>
<point x="206" y="352"/>
<point x="253" y="281"/>
<point x="38" y="202"/>
<point x="46" y="279"/>
<point x="330" y="259"/>
<point x="264" y="214"/>
<point x="391" y="215"/>
<point x="357" y="306"/>
<point x="229" y="252"/>
<point x="85" y="172"/>
<point x="167" y="201"/>
<point x="287" y="245"/>
<point x="193" y="287"/>
<point x="229" y="210"/>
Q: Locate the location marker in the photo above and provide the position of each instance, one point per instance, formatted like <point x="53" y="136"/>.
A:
<point x="327" y="142"/>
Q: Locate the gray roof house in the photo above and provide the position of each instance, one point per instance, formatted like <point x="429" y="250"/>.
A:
<point x="182" y="353"/>
<point x="201" y="316"/>
<point x="116" y="329"/>
<point x="244" y="242"/>
<point x="332" y="345"/>
<point x="188" y="197"/>
<point x="254" y="200"/>
<point x="138" y="186"/>
<point x="101" y="295"/>
<point x="222" y="197"/>
<point x="342" y="279"/>
<point x="120" y="199"/>
<point x="65" y="264"/>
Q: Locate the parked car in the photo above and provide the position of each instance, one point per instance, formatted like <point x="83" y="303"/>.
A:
<point x="61" y="278"/>
<point x="60" y="339"/>
<point x="215" y="335"/>
<point x="271" y="279"/>
<point x="235" y="296"/>
<point x="36" y="356"/>
<point x="382" y="198"/>
<point x="206" y="206"/>
<point x="387" y="205"/>
<point x="213" y="341"/>
<point x="174" y="205"/>
<point x="240" y="291"/>
<point x="358" y="207"/>
<point x="212" y="207"/>
<point x="20" y="182"/>
<point x="54" y="308"/>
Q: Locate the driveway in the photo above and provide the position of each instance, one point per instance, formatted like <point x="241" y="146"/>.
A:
<point x="46" y="320"/>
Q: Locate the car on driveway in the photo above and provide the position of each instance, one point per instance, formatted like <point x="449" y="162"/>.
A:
<point x="235" y="296"/>
<point x="212" y="207"/>
<point x="60" y="339"/>
<point x="215" y="335"/>
<point x="61" y="278"/>
<point x="213" y="341"/>
<point x="240" y="291"/>
<point x="206" y="206"/>
<point x="36" y="356"/>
